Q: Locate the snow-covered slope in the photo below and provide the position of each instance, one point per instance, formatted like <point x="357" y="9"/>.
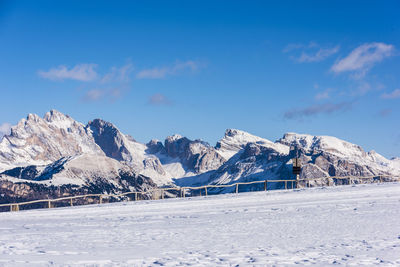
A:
<point x="82" y="174"/>
<point x="344" y="225"/>
<point x="253" y="158"/>
<point x="235" y="140"/>
<point x="41" y="143"/>
<point x="38" y="141"/>
<point x="340" y="154"/>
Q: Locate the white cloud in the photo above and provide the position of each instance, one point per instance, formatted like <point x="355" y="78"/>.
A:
<point x="158" y="100"/>
<point x="319" y="55"/>
<point x="317" y="109"/>
<point x="110" y="94"/>
<point x="80" y="72"/>
<point x="118" y="74"/>
<point x="363" y="58"/>
<point x="162" y="72"/>
<point x="311" y="52"/>
<point x="392" y="95"/>
<point x="5" y="129"/>
<point x="292" y="47"/>
<point x="363" y="88"/>
<point x="324" y="94"/>
<point x="94" y="95"/>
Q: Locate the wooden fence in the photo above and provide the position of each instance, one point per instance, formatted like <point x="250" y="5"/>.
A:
<point x="161" y="193"/>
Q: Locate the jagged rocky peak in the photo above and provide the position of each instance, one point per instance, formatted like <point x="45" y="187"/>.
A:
<point x="197" y="156"/>
<point x="155" y="146"/>
<point x="236" y="140"/>
<point x="81" y="174"/>
<point x="175" y="145"/>
<point x="37" y="140"/>
<point x="251" y="150"/>
<point x="233" y="141"/>
<point x="110" y="139"/>
<point x="174" y="137"/>
<point x="52" y="119"/>
<point x="328" y="144"/>
<point x="182" y="147"/>
<point x="33" y="117"/>
<point x="293" y="139"/>
<point x="55" y="115"/>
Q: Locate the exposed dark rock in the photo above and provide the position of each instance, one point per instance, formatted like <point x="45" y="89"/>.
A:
<point x="109" y="139"/>
<point x="196" y="156"/>
<point x="155" y="146"/>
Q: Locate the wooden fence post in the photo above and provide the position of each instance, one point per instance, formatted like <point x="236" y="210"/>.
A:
<point x="265" y="185"/>
<point x="285" y="184"/>
<point x="14" y="207"/>
<point x="183" y="192"/>
<point x="162" y="194"/>
<point x="70" y="201"/>
<point x="49" y="204"/>
<point x="135" y="196"/>
<point x="101" y="199"/>
<point x="237" y="188"/>
<point x="205" y="188"/>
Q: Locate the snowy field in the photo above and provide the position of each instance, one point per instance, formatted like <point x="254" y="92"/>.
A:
<point x="348" y="225"/>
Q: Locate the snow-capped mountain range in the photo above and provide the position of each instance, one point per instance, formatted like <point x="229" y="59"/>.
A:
<point x="56" y="151"/>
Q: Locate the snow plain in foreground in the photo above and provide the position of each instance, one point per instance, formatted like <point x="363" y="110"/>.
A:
<point x="348" y="225"/>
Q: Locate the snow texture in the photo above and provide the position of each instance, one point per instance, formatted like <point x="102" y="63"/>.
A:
<point x="344" y="225"/>
<point x="238" y="157"/>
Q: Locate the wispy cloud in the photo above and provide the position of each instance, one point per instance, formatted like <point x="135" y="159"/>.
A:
<point x="362" y="89"/>
<point x="319" y="55"/>
<point x="94" y="95"/>
<point x="317" y="109"/>
<point x="392" y="95"/>
<point x="109" y="94"/>
<point x="159" y="99"/>
<point x="292" y="47"/>
<point x="363" y="58"/>
<point x="312" y="52"/>
<point x="80" y="72"/>
<point x="162" y="72"/>
<point x="116" y="74"/>
<point x="112" y="85"/>
<point x="326" y="94"/>
<point x="115" y="83"/>
<point x="5" y="129"/>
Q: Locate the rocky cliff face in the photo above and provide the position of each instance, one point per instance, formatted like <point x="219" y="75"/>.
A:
<point x="336" y="157"/>
<point x="83" y="174"/>
<point x="110" y="140"/>
<point x="38" y="141"/>
<point x="58" y="151"/>
<point x="321" y="156"/>
<point x="196" y="156"/>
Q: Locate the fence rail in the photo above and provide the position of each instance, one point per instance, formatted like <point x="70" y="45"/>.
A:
<point x="294" y="184"/>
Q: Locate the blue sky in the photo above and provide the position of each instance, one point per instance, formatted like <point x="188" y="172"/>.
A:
<point x="155" y="68"/>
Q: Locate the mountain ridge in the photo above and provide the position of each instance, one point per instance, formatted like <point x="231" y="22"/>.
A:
<point x="36" y="143"/>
